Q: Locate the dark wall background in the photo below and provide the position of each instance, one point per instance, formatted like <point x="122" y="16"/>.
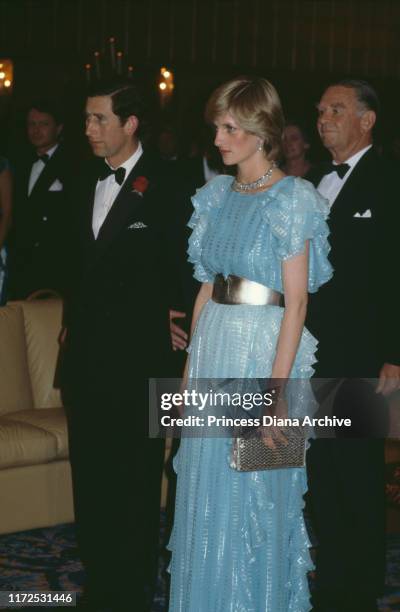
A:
<point x="300" y="45"/>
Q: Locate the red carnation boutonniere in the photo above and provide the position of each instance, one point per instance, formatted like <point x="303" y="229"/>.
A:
<point x="140" y="185"/>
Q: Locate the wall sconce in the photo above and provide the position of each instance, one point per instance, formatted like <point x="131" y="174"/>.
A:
<point x="165" y="85"/>
<point x="6" y="76"/>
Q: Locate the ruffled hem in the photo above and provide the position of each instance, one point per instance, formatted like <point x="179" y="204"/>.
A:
<point x="261" y="515"/>
<point x="257" y="537"/>
<point x="260" y="510"/>
<point x="296" y="212"/>
<point x="299" y="553"/>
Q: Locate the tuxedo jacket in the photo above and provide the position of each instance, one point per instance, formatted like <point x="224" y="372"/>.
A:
<point x="192" y="178"/>
<point x="193" y="170"/>
<point x="42" y="225"/>
<point x="355" y="315"/>
<point x="117" y="315"/>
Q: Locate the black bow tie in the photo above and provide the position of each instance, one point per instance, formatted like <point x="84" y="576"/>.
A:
<point x="44" y="158"/>
<point x="341" y="169"/>
<point x="106" y="171"/>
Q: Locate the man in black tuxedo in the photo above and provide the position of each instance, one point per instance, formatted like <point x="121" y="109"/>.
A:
<point x="355" y="318"/>
<point x="117" y="337"/>
<point x="40" y="240"/>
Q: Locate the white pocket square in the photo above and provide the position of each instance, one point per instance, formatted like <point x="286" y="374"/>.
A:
<point x="56" y="186"/>
<point x="365" y="215"/>
<point x="137" y="225"/>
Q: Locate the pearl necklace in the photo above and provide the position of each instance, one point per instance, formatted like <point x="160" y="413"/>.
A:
<point x="263" y="180"/>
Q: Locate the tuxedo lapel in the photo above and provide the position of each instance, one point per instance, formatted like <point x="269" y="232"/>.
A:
<point x="123" y="208"/>
<point x="26" y="170"/>
<point x="89" y="199"/>
<point x="315" y="175"/>
<point x="48" y="175"/>
<point x="354" y="192"/>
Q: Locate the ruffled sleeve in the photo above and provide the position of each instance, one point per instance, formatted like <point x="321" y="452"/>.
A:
<point x="298" y="214"/>
<point x="206" y="201"/>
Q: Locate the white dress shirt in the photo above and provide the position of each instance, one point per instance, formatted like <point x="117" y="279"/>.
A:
<point x="37" y="169"/>
<point x="331" y="184"/>
<point x="108" y="189"/>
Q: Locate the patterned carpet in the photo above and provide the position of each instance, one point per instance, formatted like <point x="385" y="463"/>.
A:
<point x="47" y="560"/>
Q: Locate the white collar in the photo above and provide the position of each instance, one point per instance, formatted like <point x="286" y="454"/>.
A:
<point x="50" y="152"/>
<point x="354" y="159"/>
<point x="131" y="161"/>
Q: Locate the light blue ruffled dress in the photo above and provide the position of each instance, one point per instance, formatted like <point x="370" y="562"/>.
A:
<point x="239" y="542"/>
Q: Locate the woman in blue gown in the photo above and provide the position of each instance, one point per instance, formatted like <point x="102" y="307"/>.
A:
<point x="239" y="543"/>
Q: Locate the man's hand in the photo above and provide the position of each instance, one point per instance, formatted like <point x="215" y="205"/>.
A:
<point x="389" y="379"/>
<point x="178" y="335"/>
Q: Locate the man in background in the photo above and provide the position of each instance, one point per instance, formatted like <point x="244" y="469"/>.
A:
<point x="355" y="319"/>
<point x="42" y="216"/>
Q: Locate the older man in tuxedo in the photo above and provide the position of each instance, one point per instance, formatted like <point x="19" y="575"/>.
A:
<point x="117" y="337"/>
<point x="355" y="318"/>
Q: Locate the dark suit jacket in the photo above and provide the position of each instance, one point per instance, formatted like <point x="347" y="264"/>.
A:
<point x="40" y="240"/>
<point x="117" y="318"/>
<point x="355" y="315"/>
<point x="193" y="171"/>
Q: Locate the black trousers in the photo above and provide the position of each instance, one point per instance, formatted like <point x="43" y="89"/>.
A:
<point x="346" y="499"/>
<point x="117" y="481"/>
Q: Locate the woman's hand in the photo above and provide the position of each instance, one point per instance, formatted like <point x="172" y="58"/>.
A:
<point x="272" y="434"/>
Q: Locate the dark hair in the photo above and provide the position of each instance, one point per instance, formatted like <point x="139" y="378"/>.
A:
<point x="51" y="107"/>
<point x="365" y="93"/>
<point x="126" y="99"/>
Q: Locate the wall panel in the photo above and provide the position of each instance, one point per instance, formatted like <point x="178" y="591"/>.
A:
<point x="324" y="36"/>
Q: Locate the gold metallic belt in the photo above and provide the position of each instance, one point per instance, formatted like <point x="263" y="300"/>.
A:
<point x="236" y="290"/>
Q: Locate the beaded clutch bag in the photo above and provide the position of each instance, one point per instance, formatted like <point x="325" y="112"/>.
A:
<point x="250" y="453"/>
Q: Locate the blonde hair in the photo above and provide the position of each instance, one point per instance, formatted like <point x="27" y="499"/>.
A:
<point x="255" y="105"/>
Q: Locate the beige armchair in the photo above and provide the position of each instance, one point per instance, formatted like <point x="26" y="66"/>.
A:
<point x="35" y="476"/>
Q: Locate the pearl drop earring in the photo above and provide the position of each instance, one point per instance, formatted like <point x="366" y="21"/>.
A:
<point x="261" y="146"/>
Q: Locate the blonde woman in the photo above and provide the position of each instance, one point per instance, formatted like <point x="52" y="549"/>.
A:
<point x="239" y="542"/>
